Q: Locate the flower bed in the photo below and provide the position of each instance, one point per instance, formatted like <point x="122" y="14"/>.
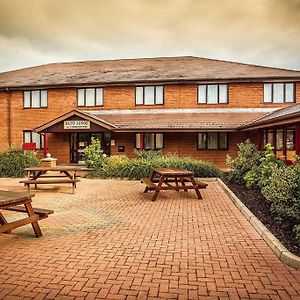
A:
<point x="270" y="190"/>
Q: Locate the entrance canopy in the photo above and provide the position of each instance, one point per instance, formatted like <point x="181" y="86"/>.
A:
<point x="75" y="121"/>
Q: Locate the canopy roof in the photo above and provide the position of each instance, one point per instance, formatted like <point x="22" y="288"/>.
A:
<point x="161" y="120"/>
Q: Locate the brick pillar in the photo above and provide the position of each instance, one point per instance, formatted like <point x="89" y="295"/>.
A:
<point x="141" y="141"/>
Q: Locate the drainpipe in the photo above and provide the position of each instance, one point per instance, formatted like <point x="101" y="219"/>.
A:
<point x="9" y="116"/>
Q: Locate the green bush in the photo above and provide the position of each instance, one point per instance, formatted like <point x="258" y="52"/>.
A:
<point x="260" y="175"/>
<point x="94" y="158"/>
<point x="147" y="154"/>
<point x="122" y="167"/>
<point x="247" y="158"/>
<point x="283" y="191"/>
<point x="14" y="161"/>
<point x="297" y="230"/>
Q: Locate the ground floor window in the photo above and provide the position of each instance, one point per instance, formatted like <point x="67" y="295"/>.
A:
<point x="149" y="141"/>
<point x="212" y="140"/>
<point x="33" y="137"/>
<point x="275" y="137"/>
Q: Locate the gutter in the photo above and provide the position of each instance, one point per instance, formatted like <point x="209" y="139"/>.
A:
<point x="155" y="82"/>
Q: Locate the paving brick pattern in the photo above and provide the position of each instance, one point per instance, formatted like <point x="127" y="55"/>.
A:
<point x="109" y="241"/>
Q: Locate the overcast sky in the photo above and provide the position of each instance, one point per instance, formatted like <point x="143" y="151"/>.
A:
<point x="34" y="32"/>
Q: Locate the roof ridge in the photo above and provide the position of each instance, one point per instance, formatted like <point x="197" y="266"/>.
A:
<point x="149" y="58"/>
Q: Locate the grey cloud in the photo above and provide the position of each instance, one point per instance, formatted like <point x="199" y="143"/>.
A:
<point x="254" y="31"/>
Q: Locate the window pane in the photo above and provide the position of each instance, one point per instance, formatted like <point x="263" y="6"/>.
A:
<point x="270" y="137"/>
<point x="279" y="139"/>
<point x="289" y="92"/>
<point x="35" y="98"/>
<point x="159" y="141"/>
<point x="44" y="97"/>
<point x="27" y="137"/>
<point x="202" y="140"/>
<point x="290" y="139"/>
<point x="149" y="141"/>
<point x="212" y="141"/>
<point x="99" y="96"/>
<point x="149" y="95"/>
<point x="278" y="92"/>
<point x="159" y="94"/>
<point x="90" y="97"/>
<point x="202" y="93"/>
<point x="264" y="138"/>
<point x="268" y="92"/>
<point x="26" y="99"/>
<point x="139" y="95"/>
<point x="137" y="141"/>
<point x="80" y="97"/>
<point x="42" y="141"/>
<point x="223" y="98"/>
<point x="212" y="94"/>
<point x="223" y="140"/>
<point x="36" y="139"/>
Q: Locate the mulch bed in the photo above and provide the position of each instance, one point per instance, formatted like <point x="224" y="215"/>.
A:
<point x="260" y="207"/>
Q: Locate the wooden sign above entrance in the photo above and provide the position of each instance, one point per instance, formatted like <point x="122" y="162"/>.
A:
<point x="77" y="124"/>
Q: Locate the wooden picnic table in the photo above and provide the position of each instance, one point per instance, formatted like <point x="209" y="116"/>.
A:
<point x="48" y="175"/>
<point x="14" y="201"/>
<point x="172" y="179"/>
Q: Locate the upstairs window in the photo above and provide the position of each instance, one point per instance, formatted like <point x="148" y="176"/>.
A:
<point x="90" y="97"/>
<point x="279" y="93"/>
<point x="33" y="137"/>
<point x="212" y="141"/>
<point x="149" y="95"/>
<point x="213" y="93"/>
<point x="35" y="99"/>
<point x="151" y="141"/>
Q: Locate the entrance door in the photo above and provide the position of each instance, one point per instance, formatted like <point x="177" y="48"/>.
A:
<point x="79" y="141"/>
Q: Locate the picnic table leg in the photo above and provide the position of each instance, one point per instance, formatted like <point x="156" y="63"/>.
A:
<point x="183" y="184"/>
<point x="3" y="222"/>
<point x="35" y="225"/>
<point x="176" y="183"/>
<point x="161" y="181"/>
<point x="196" y="187"/>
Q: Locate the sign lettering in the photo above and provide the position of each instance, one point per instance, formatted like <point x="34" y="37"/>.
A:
<point x="77" y="124"/>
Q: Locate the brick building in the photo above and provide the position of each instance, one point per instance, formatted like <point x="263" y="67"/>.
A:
<point x="186" y="105"/>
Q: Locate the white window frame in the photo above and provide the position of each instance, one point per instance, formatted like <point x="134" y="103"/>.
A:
<point x="29" y="100"/>
<point x="98" y="97"/>
<point x="269" y="93"/>
<point x="30" y="136"/>
<point x="158" y="95"/>
<point x="204" y="91"/>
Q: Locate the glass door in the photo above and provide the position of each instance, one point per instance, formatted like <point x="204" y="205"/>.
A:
<point x="79" y="141"/>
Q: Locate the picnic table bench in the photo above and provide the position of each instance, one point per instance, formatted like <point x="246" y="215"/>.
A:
<point x="21" y="202"/>
<point x="37" y="175"/>
<point x="172" y="179"/>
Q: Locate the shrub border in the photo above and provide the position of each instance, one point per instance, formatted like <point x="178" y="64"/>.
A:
<point x="278" y="248"/>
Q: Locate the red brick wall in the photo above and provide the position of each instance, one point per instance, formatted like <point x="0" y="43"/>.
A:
<point x="61" y="101"/>
<point x="3" y="120"/>
<point x="184" y="144"/>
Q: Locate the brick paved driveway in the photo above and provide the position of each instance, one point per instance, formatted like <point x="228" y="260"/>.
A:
<point x="109" y="241"/>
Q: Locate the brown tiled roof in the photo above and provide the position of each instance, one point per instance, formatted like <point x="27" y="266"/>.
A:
<point x="124" y="71"/>
<point x="179" y="121"/>
<point x="277" y="115"/>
